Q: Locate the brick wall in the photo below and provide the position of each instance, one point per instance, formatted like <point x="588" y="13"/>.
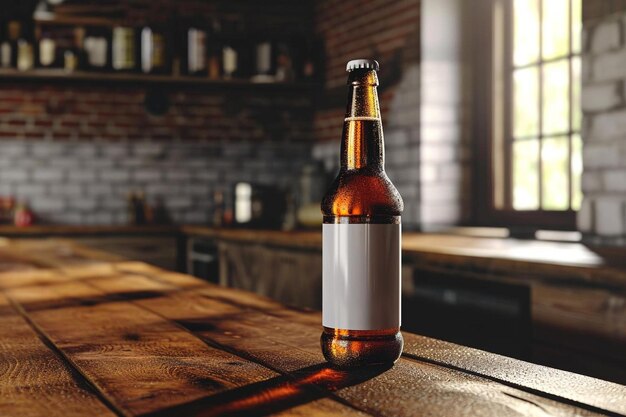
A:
<point x="389" y="31"/>
<point x="75" y="152"/>
<point x="602" y="217"/>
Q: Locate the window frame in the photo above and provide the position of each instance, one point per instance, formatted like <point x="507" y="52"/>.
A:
<point x="494" y="129"/>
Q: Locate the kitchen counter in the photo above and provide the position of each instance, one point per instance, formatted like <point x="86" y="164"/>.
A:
<point x="537" y="258"/>
<point x="87" y="333"/>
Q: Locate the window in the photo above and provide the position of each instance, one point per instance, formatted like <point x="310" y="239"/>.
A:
<point x="535" y="147"/>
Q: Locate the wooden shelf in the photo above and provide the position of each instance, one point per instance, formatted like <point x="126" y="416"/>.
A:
<point x="58" y="75"/>
<point x="47" y="18"/>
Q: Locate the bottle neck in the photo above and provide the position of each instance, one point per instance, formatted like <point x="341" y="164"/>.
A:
<point x="362" y="144"/>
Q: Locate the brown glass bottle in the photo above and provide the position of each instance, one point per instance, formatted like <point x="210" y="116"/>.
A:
<point x="361" y="250"/>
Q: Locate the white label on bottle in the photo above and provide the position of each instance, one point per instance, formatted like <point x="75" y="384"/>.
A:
<point x="361" y="276"/>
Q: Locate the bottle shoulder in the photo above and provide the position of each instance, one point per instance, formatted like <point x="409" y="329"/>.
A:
<point x="362" y="192"/>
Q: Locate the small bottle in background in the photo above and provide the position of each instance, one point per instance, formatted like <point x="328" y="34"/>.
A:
<point x="96" y="47"/>
<point x="124" y="49"/>
<point x="214" y="48"/>
<point x="196" y="51"/>
<point x="8" y="48"/>
<point x="25" y="50"/>
<point x="47" y="51"/>
<point x="7" y="207"/>
<point x="264" y="65"/>
<point x="136" y="208"/>
<point x="284" y="64"/>
<point x="229" y="61"/>
<point x="153" y="51"/>
<point x="23" y="216"/>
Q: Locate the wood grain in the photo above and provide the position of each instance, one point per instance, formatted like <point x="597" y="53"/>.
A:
<point x="142" y="363"/>
<point x="557" y="383"/>
<point x="156" y="343"/>
<point x="289" y="346"/>
<point x="34" y="381"/>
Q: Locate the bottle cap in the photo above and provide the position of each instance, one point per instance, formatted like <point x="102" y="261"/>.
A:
<point x="362" y="63"/>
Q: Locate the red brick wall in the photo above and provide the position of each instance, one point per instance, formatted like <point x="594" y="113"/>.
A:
<point x="36" y="111"/>
<point x="52" y="110"/>
<point x="387" y="30"/>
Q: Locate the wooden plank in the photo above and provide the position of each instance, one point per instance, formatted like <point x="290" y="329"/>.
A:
<point x="592" y="316"/>
<point x="283" y="342"/>
<point x="289" y="346"/>
<point x="276" y="391"/>
<point x="34" y="380"/>
<point x="139" y="361"/>
<point x="557" y="383"/>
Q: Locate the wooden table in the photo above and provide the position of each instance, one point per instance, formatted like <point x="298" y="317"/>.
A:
<point x="86" y="333"/>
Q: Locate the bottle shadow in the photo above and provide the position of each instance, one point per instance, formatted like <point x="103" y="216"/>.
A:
<point x="276" y="394"/>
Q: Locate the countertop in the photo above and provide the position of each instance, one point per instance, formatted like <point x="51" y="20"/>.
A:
<point x="559" y="260"/>
<point x="87" y="333"/>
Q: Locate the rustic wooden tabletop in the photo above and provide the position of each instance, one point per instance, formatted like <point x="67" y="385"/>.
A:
<point x="84" y="333"/>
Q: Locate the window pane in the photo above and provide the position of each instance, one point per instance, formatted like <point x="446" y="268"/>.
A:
<point x="555" y="172"/>
<point x="526" y="32"/>
<point x="556" y="97"/>
<point x="555" y="26"/>
<point x="526" y="104"/>
<point x="577" y="169"/>
<point x="577" y="19"/>
<point x="576" y="114"/>
<point x="526" y="174"/>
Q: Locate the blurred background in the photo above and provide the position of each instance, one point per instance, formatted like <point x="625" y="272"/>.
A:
<point x="200" y="135"/>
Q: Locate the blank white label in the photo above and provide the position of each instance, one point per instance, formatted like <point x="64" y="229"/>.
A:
<point x="361" y="276"/>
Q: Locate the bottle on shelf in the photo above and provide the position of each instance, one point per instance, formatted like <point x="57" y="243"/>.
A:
<point x="264" y="62"/>
<point x="153" y="51"/>
<point x="196" y="51"/>
<point x="230" y="61"/>
<point x="23" y="215"/>
<point x="124" y="50"/>
<point x="75" y="57"/>
<point x="214" y="50"/>
<point x="284" y="64"/>
<point x="9" y="46"/>
<point x="97" y="49"/>
<point x="25" y="59"/>
<point x="47" y="57"/>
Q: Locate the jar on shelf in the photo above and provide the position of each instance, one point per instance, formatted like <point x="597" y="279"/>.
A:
<point x="124" y="49"/>
<point x="97" y="48"/>
<point x="154" y="58"/>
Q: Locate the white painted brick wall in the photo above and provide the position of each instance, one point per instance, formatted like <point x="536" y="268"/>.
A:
<point x="88" y="183"/>
<point x="609" y="125"/>
<point x="600" y="155"/>
<point x="606" y="36"/>
<point x="609" y="66"/>
<point x="609" y="216"/>
<point x="602" y="216"/>
<point x="601" y="97"/>
<point x="591" y="182"/>
<point x="615" y="180"/>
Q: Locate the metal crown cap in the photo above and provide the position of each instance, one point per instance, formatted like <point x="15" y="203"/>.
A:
<point x="362" y="64"/>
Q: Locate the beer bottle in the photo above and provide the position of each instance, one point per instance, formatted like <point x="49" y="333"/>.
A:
<point x="361" y="238"/>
